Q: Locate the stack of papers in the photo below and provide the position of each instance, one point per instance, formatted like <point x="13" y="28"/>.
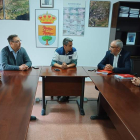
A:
<point x="106" y="72"/>
<point x="133" y="15"/>
<point x="124" y="76"/>
<point x="134" y="12"/>
<point x="123" y="15"/>
<point x="124" y="11"/>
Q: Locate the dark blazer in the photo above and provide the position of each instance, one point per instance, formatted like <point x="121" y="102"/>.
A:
<point x="8" y="61"/>
<point x="124" y="64"/>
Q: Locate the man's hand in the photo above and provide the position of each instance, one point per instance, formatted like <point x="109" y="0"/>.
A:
<point x="108" y="67"/>
<point x="64" y="65"/>
<point x="23" y="67"/>
<point x="136" y="81"/>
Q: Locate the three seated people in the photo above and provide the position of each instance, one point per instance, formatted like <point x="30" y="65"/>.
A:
<point x="15" y="57"/>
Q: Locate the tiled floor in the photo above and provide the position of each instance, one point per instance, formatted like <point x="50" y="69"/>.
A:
<point x="63" y="121"/>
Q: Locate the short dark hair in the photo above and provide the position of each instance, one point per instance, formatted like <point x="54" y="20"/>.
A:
<point x="67" y="40"/>
<point x="10" y="38"/>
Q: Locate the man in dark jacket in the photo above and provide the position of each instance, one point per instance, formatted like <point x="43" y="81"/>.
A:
<point x="14" y="57"/>
<point x="116" y="59"/>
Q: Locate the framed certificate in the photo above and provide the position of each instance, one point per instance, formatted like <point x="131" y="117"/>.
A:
<point x="131" y="37"/>
<point x="46" y="3"/>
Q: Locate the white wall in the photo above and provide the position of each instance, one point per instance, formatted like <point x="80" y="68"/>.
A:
<point x="91" y="47"/>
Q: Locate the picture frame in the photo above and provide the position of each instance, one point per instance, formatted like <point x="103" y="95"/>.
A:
<point x="46" y="28"/>
<point x="131" y="37"/>
<point x="46" y="3"/>
<point x="99" y="18"/>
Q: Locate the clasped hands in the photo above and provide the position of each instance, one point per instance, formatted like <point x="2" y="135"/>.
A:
<point x="64" y="66"/>
<point x="108" y="67"/>
<point x="23" y="67"/>
<point x="136" y="81"/>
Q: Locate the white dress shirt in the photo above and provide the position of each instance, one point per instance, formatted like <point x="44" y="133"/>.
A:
<point x="115" y="61"/>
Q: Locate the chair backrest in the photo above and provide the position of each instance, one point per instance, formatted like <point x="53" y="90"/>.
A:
<point x="132" y="68"/>
<point x="131" y="61"/>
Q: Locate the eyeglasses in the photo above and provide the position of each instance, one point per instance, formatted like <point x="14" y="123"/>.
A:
<point x="17" y="41"/>
<point x="113" y="47"/>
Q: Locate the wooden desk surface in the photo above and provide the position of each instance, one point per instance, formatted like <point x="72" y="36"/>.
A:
<point x="124" y="98"/>
<point x="29" y="72"/>
<point x="70" y="72"/>
<point x="17" y="93"/>
<point x="90" y="73"/>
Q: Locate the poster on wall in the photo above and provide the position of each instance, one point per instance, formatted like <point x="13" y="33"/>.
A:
<point x="99" y="13"/>
<point x="73" y="17"/>
<point x="1" y="9"/>
<point x="46" y="28"/>
<point x="14" y="9"/>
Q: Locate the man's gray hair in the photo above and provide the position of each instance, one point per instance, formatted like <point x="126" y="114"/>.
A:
<point x="119" y="43"/>
<point x="67" y="40"/>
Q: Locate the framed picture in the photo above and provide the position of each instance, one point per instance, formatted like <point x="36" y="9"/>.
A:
<point x="46" y="3"/>
<point x="47" y="28"/>
<point x="99" y="13"/>
<point x="131" y="37"/>
<point x="13" y="10"/>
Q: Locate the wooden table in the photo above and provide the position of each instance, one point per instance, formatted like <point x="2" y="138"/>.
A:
<point x="17" y="94"/>
<point x="91" y="73"/>
<point x="66" y="82"/>
<point x="119" y="98"/>
<point x="121" y="101"/>
<point x="29" y="72"/>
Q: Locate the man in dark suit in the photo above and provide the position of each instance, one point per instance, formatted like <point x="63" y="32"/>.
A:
<point x="116" y="59"/>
